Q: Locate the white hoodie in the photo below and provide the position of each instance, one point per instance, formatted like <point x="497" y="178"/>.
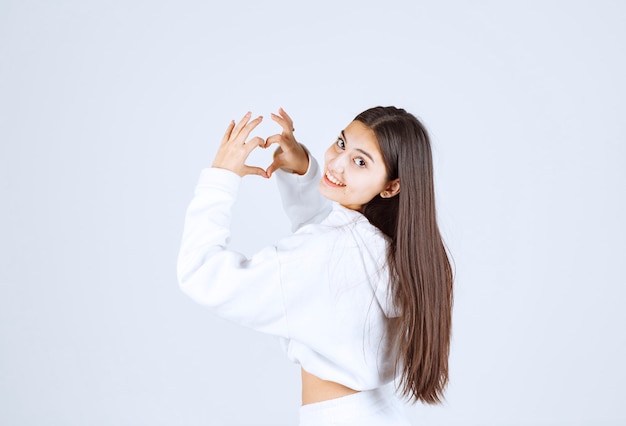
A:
<point x="322" y="290"/>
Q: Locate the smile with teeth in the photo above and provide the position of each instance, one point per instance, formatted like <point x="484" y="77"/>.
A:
<point x="333" y="179"/>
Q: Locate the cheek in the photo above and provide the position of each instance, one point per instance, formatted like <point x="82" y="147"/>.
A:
<point x="328" y="155"/>
<point x="373" y="186"/>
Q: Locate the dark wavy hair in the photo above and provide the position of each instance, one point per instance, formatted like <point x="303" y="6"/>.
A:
<point x="420" y="272"/>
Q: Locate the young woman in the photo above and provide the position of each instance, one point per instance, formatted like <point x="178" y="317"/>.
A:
<point x="361" y="292"/>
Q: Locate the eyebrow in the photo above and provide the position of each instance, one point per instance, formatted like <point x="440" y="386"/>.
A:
<point x="357" y="149"/>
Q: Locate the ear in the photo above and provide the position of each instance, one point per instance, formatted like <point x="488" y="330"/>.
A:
<point x="391" y="189"/>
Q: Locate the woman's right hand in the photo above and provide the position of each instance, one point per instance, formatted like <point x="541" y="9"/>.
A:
<point x="234" y="149"/>
<point x="290" y="155"/>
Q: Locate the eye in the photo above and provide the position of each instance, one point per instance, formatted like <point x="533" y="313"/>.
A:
<point x="359" y="161"/>
<point x="341" y="143"/>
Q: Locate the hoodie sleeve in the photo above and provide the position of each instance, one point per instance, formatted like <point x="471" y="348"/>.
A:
<point x="244" y="290"/>
<point x="301" y="199"/>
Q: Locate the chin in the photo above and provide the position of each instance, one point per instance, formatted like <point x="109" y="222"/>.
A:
<point x="325" y="191"/>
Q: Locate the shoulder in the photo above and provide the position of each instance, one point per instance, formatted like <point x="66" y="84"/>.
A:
<point x="354" y="226"/>
<point x="343" y="231"/>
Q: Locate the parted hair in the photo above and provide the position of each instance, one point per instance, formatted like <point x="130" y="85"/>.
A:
<point x="420" y="272"/>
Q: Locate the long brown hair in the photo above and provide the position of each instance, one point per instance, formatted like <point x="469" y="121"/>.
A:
<point x="420" y="271"/>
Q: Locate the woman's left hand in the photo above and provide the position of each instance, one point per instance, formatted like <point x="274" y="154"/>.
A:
<point x="234" y="150"/>
<point x="290" y="155"/>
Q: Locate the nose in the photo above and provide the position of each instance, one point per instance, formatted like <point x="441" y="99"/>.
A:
<point x="338" y="163"/>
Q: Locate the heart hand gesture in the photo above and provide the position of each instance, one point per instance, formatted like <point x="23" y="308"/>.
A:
<point x="235" y="148"/>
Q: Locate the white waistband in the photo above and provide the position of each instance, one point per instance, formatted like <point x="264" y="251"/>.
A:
<point x="376" y="406"/>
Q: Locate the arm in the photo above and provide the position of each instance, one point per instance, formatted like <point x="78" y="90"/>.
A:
<point x="302" y="201"/>
<point x="298" y="176"/>
<point x="246" y="291"/>
<point x="243" y="290"/>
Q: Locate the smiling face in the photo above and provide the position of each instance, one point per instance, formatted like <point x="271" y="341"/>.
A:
<point x="355" y="172"/>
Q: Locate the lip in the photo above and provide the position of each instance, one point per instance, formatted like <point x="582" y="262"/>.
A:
<point x="331" y="183"/>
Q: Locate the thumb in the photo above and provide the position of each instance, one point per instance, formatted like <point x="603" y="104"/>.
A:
<point x="273" y="167"/>
<point x="249" y="170"/>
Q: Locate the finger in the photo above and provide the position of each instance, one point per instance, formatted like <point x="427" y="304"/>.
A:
<point x="241" y="124"/>
<point x="253" y="143"/>
<point x="284" y="114"/>
<point x="228" y="132"/>
<point x="272" y="140"/>
<point x="245" y="132"/>
<point x="249" y="170"/>
<point x="282" y="122"/>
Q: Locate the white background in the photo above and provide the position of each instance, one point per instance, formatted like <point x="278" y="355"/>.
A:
<point x="108" y="111"/>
